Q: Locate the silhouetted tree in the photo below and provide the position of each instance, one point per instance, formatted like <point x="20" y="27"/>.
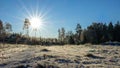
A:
<point x="26" y="26"/>
<point x="110" y="31"/>
<point x="78" y="33"/>
<point x="2" y="32"/>
<point x="90" y="36"/>
<point x="83" y="36"/>
<point x="117" y="31"/>
<point x="104" y="37"/>
<point x="98" y="29"/>
<point x="70" y="38"/>
<point x="59" y="34"/>
<point x="63" y="33"/>
<point x="1" y="27"/>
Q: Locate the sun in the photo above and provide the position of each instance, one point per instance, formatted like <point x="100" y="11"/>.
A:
<point x="37" y="18"/>
<point x="36" y="22"/>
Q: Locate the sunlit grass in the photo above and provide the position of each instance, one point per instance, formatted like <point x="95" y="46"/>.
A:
<point x="86" y="55"/>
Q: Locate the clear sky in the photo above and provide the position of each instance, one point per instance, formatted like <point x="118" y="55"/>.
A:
<point x="59" y="13"/>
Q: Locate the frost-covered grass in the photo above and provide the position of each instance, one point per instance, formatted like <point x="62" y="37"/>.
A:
<point x="67" y="56"/>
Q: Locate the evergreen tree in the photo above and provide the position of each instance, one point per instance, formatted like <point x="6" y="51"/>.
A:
<point x="104" y="37"/>
<point x="78" y="33"/>
<point x="83" y="36"/>
<point x="70" y="37"/>
<point x="110" y="31"/>
<point x="1" y="27"/>
<point x="117" y="31"/>
<point x="98" y="28"/>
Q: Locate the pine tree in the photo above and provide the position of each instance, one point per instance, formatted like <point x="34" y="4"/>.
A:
<point x="1" y="27"/>
<point x="110" y="31"/>
<point x="78" y="33"/>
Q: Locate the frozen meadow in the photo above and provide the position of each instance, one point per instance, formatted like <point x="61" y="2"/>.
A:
<point x="56" y="56"/>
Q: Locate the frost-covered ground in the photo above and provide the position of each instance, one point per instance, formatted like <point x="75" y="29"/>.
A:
<point x="67" y="56"/>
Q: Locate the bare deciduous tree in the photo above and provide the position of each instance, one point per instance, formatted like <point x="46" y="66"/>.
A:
<point x="61" y="34"/>
<point x="8" y="27"/>
<point x="26" y="26"/>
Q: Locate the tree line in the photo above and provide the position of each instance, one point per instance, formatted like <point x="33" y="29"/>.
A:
<point x="8" y="36"/>
<point x="95" y="33"/>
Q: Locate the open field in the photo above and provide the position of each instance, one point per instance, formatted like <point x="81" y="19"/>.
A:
<point x="67" y="56"/>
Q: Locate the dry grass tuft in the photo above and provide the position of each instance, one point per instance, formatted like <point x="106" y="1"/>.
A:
<point x="45" y="50"/>
<point x="94" y="56"/>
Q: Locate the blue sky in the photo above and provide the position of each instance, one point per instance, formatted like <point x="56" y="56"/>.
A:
<point x="59" y="13"/>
